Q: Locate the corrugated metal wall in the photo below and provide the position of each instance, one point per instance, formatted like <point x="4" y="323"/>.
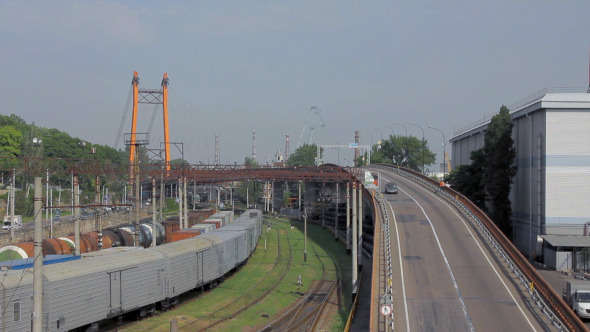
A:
<point x="567" y="171"/>
<point x="528" y="133"/>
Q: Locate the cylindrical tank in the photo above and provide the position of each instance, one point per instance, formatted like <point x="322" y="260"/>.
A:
<point x="160" y="232"/>
<point x="125" y="235"/>
<point x="87" y="242"/>
<point x="145" y="234"/>
<point x="110" y="239"/>
<point x="70" y="242"/>
<point x="54" y="246"/>
<point x="16" y="251"/>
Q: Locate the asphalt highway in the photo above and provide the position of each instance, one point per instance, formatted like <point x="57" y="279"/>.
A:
<point x="445" y="277"/>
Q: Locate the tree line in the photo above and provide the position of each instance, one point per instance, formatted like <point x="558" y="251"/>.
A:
<point x="20" y="139"/>
<point x="487" y="180"/>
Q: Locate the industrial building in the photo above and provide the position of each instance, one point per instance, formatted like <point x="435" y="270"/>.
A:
<point x="551" y="191"/>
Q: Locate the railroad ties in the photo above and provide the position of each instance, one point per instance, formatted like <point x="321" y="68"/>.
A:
<point x="304" y="315"/>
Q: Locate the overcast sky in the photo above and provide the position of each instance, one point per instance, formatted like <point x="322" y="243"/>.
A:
<point x="239" y="66"/>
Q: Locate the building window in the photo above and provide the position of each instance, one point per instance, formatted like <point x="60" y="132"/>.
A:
<point x="16" y="314"/>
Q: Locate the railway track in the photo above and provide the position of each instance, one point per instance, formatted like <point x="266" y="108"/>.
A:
<point x="238" y="304"/>
<point x="304" y="315"/>
<point x="301" y="316"/>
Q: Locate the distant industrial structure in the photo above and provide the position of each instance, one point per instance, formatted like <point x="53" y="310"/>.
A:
<point x="550" y="198"/>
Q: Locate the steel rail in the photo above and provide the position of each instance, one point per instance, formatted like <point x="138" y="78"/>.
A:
<point x="257" y="299"/>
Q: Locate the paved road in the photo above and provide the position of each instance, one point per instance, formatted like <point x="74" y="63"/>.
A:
<point x="445" y="278"/>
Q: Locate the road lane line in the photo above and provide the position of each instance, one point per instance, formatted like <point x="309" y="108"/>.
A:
<point x="401" y="267"/>
<point x="467" y="317"/>
<point x="484" y="254"/>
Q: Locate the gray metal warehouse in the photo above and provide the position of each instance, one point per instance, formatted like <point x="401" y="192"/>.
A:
<point x="551" y="190"/>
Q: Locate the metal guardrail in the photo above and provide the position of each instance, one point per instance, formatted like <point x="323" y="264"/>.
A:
<point x="388" y="296"/>
<point x="551" y="304"/>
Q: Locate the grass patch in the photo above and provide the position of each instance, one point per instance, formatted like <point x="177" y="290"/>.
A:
<point x="278" y="266"/>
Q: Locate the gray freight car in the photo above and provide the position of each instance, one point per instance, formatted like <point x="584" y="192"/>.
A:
<point x="191" y="263"/>
<point x="85" y="292"/>
<point x="237" y="239"/>
<point x="16" y="300"/>
<point x="103" y="287"/>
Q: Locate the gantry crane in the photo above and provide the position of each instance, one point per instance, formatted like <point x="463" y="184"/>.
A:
<point x="314" y="115"/>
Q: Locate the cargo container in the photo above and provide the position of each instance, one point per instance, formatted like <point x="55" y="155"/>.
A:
<point x="217" y="222"/>
<point x="170" y="226"/>
<point x="197" y="216"/>
<point x="186" y="233"/>
<point x="203" y="228"/>
<point x="226" y="216"/>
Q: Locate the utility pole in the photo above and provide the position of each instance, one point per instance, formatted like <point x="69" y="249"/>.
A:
<point x="354" y="240"/>
<point x="305" y="234"/>
<point x="76" y="213"/>
<point x="254" y="145"/>
<point x="154" y="233"/>
<point x="287" y="148"/>
<point x="38" y="262"/>
<point x="216" y="149"/>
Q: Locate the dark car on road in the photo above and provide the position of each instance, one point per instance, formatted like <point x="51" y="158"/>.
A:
<point x="391" y="188"/>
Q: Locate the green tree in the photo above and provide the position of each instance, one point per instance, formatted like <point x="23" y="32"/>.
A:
<point x="410" y="152"/>
<point x="489" y="176"/>
<point x="249" y="162"/>
<point x="10" y="139"/>
<point x="468" y="179"/>
<point x="304" y="155"/>
<point x="499" y="170"/>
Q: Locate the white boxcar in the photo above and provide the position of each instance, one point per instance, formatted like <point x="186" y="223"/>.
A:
<point x="16" y="300"/>
<point x="226" y="216"/>
<point x="81" y="292"/>
<point x="190" y="263"/>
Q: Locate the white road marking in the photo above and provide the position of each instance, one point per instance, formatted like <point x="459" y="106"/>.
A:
<point x="469" y="322"/>
<point x="484" y="253"/>
<point x="478" y="245"/>
<point x="401" y="266"/>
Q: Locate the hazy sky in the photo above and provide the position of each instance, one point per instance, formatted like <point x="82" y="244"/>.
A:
<point x="239" y="66"/>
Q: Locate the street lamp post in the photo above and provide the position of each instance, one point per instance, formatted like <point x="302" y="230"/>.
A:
<point x="390" y="127"/>
<point x="406" y="129"/>
<point x="381" y="141"/>
<point x="444" y="149"/>
<point x="371" y="149"/>
<point x="371" y="138"/>
<point x="381" y="132"/>
<point x="413" y="124"/>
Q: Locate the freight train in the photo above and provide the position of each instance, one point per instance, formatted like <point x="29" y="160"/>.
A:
<point x="83" y="293"/>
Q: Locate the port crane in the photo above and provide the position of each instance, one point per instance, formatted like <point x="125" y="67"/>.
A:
<point x="313" y="116"/>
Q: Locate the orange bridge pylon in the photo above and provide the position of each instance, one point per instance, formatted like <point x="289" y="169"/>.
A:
<point x="149" y="96"/>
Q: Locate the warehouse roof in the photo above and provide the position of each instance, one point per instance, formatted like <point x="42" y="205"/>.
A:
<point x="567" y="240"/>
